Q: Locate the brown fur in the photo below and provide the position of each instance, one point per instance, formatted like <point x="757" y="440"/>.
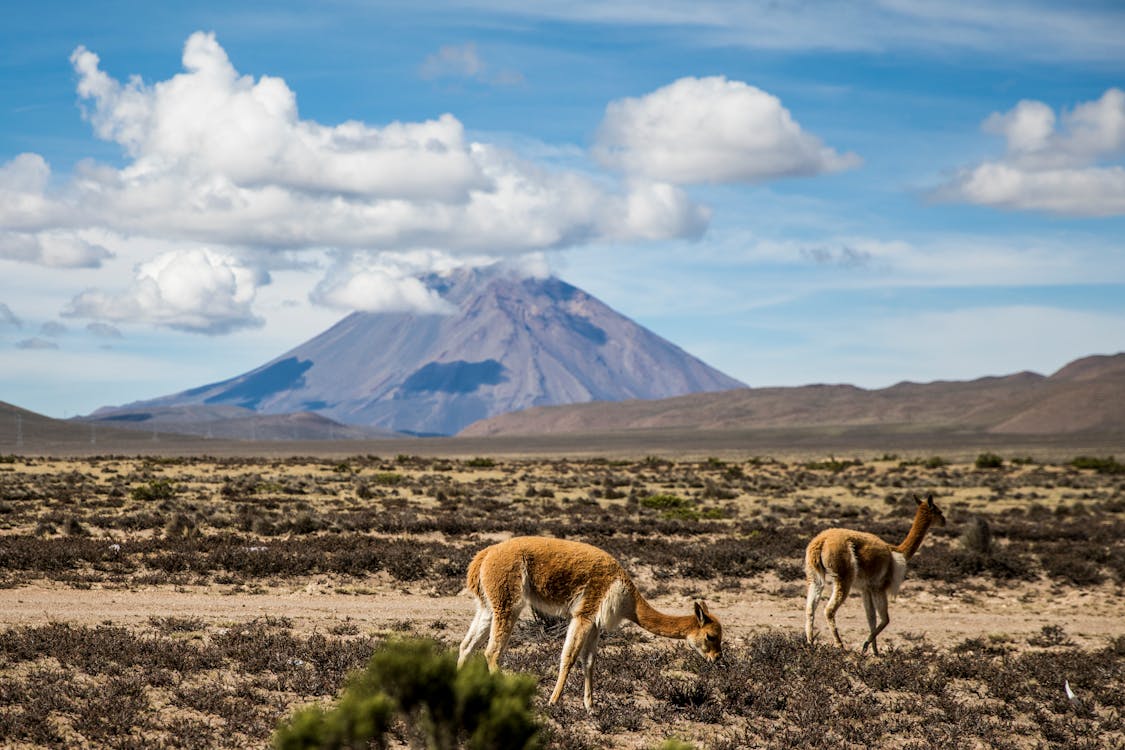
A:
<point x="561" y="577"/>
<point x="857" y="557"/>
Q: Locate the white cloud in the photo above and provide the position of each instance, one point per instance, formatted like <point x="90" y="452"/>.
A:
<point x="201" y="291"/>
<point x="52" y="249"/>
<point x="224" y="159"/>
<point x="453" y="60"/>
<point x="379" y="289"/>
<point x="463" y="61"/>
<point x="531" y="266"/>
<point x="386" y="282"/>
<point x="212" y="124"/>
<point x="26" y="173"/>
<point x="1061" y="165"/>
<point x="394" y="282"/>
<point x="23" y="203"/>
<point x="698" y="130"/>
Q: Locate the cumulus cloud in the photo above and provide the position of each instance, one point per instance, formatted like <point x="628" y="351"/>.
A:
<point x="379" y="289"/>
<point x="23" y="201"/>
<point x="52" y="249"/>
<point x="1067" y="164"/>
<point x="409" y="282"/>
<point x="201" y="291"/>
<point x="223" y="158"/>
<point x="699" y="130"/>
<point x="218" y="159"/>
<point x="390" y="282"/>
<point x="52" y="328"/>
<point x="209" y="122"/>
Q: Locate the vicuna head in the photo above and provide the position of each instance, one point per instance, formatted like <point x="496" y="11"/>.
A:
<point x="937" y="518"/>
<point x="707" y="636"/>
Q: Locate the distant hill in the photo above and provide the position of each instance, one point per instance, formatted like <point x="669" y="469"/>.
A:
<point x="508" y="343"/>
<point x="234" y="423"/>
<point x="1087" y="395"/>
<point x="23" y="431"/>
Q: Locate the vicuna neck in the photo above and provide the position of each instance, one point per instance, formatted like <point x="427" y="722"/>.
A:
<point x="655" y="621"/>
<point x="918" y="529"/>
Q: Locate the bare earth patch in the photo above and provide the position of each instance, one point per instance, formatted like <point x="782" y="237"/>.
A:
<point x="1090" y="618"/>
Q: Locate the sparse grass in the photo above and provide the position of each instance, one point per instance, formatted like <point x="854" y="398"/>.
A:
<point x="833" y="465"/>
<point x="686" y="526"/>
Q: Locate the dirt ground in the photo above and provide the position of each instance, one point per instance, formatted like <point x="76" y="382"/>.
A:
<point x="1089" y="617"/>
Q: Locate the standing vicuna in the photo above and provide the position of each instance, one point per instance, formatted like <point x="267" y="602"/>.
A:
<point x="862" y="559"/>
<point x="560" y="577"/>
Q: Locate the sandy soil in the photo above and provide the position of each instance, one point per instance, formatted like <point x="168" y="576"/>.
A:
<point x="1090" y="617"/>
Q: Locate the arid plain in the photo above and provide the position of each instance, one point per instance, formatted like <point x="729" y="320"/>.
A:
<point x="202" y="599"/>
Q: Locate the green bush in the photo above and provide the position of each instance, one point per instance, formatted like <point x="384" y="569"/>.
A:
<point x="158" y="489"/>
<point x="388" y="478"/>
<point x="989" y="461"/>
<point x="674" y="744"/>
<point x="666" y="501"/>
<point x="442" y="707"/>
<point x="933" y="462"/>
<point x="480" y="463"/>
<point x="1107" y="465"/>
<point x="833" y="464"/>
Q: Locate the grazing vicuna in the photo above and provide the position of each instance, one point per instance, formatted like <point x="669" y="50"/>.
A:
<point x="565" y="578"/>
<point x="866" y="561"/>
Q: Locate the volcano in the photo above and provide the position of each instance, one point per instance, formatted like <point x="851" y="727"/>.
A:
<point x="511" y="343"/>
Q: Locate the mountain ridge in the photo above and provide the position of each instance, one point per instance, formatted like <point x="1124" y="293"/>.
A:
<point x="1087" y="394"/>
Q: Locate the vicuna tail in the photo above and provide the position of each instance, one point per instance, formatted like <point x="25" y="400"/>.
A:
<point x="814" y="566"/>
<point x="472" y="577"/>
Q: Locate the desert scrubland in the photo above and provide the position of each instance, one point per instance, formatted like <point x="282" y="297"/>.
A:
<point x="193" y="602"/>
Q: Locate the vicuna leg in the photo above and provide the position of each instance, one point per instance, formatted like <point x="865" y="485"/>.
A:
<point x="478" y="631"/>
<point x="880" y="600"/>
<point x="812" y="601"/>
<point x="589" y="651"/>
<point x="576" y="635"/>
<point x="869" y="610"/>
<point x="501" y="631"/>
<point x="840" y="588"/>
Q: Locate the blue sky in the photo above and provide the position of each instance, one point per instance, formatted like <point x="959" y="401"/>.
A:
<point x="861" y="192"/>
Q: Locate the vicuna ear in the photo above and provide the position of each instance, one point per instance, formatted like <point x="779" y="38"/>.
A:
<point x="702" y="614"/>
<point x="930" y="500"/>
<point x="917" y="499"/>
